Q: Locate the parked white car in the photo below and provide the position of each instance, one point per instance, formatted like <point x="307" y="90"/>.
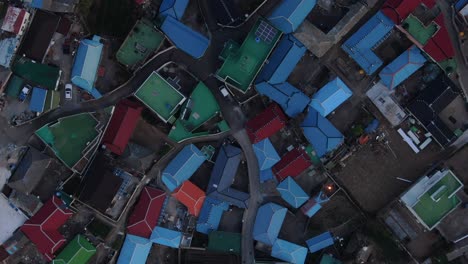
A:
<point x="68" y="91"/>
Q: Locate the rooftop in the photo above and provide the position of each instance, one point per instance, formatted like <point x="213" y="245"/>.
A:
<point x="266" y="124"/>
<point x="210" y="215"/>
<point x="146" y="212"/>
<point x="292" y="164"/>
<point x="225" y="242"/>
<point x="289" y="14"/>
<point x="266" y="154"/>
<point x="289" y="252"/>
<point x="78" y="251"/>
<point x="38" y="100"/>
<point x="10" y="219"/>
<point x="159" y="96"/>
<point x="14" y="20"/>
<point x="38" y="74"/>
<point x="292" y="193"/>
<point x="134" y="250"/>
<point x="418" y="30"/>
<point x="86" y="63"/>
<point x="330" y="96"/>
<point x="166" y="237"/>
<point x="320" y="242"/>
<point x="191" y="196"/>
<point x="173" y="8"/>
<point x="268" y="223"/>
<point x="382" y="97"/>
<point x="291" y="99"/>
<point x="243" y="64"/>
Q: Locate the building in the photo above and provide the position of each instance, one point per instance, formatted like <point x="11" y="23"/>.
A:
<point x="292" y="164"/>
<point x="268" y="223"/>
<point x="222" y="177"/>
<point x="78" y="251"/>
<point x="289" y="14"/>
<point x="121" y="126"/>
<point x="402" y="67"/>
<point x="86" y="63"/>
<point x="290" y="252"/>
<point x="10" y="219"/>
<point x="15" y="20"/>
<point x="37" y="74"/>
<point x="282" y="61"/>
<point x="191" y="196"/>
<point x="320" y="242"/>
<point x="38" y="100"/>
<point x="292" y="193"/>
<point x="185" y="38"/>
<point x="210" y="215"/>
<point x="42" y="228"/>
<point x="322" y="135"/>
<point x="182" y="167"/>
<point x="291" y="99"/>
<point x="166" y="237"/>
<point x="266" y="154"/>
<point x="57" y="6"/>
<point x="361" y="44"/>
<point x="383" y="99"/>
<point x="134" y="250"/>
<point x="330" y="96"/>
<point x="266" y="175"/>
<point x="173" y="8"/>
<point x="433" y="197"/>
<point x="146" y="212"/>
<point x="311" y="207"/>
<point x="8" y="48"/>
<point x="224" y="242"/>
<point x="266" y="124"/>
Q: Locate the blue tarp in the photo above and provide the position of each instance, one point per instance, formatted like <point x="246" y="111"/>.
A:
<point x="321" y="133"/>
<point x="289" y="14"/>
<point x="289" y="252"/>
<point x="86" y="63"/>
<point x="135" y="250"/>
<point x="292" y="193"/>
<point x="361" y="44"/>
<point x="320" y="242"/>
<point x="291" y="99"/>
<point x="332" y="95"/>
<point x="268" y="223"/>
<point x="38" y="100"/>
<point x="182" y="167"/>
<point x="210" y="215"/>
<point x="402" y="67"/>
<point x="266" y="154"/>
<point x="372" y="127"/>
<point x="282" y="61"/>
<point x="185" y="38"/>
<point x="173" y="8"/>
<point x="166" y="237"/>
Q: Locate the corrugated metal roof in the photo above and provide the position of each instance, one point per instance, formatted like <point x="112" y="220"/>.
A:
<point x="321" y="133"/>
<point x="292" y="193"/>
<point x="268" y="223"/>
<point x="173" y="8"/>
<point x="87" y="63"/>
<point x="78" y="251"/>
<point x="166" y="237"/>
<point x="330" y="96"/>
<point x="292" y="164"/>
<point x="311" y="207"/>
<point x="282" y="61"/>
<point x="289" y="252"/>
<point x="361" y="44"/>
<point x="210" y="215"/>
<point x="135" y="250"/>
<point x="289" y="14"/>
<point x="402" y="67"/>
<point x="146" y="213"/>
<point x="185" y="38"/>
<point x="191" y="196"/>
<point x="266" y="124"/>
<point x="266" y="154"/>
<point x="320" y="242"/>
<point x="182" y="167"/>
<point x="291" y="99"/>
<point x="38" y="99"/>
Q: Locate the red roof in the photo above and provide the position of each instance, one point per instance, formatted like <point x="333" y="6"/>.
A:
<point x="191" y="196"/>
<point x="440" y="46"/>
<point x="146" y="213"/>
<point x="42" y="228"/>
<point x="292" y="164"/>
<point x="266" y="123"/>
<point x="121" y="126"/>
<point x="399" y="10"/>
<point x="14" y="19"/>
<point x="429" y="3"/>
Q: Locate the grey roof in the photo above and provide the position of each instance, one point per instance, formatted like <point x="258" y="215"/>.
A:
<point x="222" y="176"/>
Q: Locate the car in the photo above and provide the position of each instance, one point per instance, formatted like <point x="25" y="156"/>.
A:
<point x="24" y="93"/>
<point x="68" y="91"/>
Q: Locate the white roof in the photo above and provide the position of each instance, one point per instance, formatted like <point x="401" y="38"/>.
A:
<point x="10" y="219"/>
<point x="381" y="96"/>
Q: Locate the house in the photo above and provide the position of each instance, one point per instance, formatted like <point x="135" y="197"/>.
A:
<point x="292" y="164"/>
<point x="38" y="100"/>
<point x="290" y="252"/>
<point x="224" y="242"/>
<point x="173" y="8"/>
<point x="134" y="250"/>
<point x="383" y="99"/>
<point x="15" y="20"/>
<point x="191" y="196"/>
<point x="292" y="193"/>
<point x="311" y="207"/>
<point x="330" y="96"/>
<point x="291" y="99"/>
<point x="146" y="213"/>
<point x="320" y="242"/>
<point x="166" y="237"/>
<point x="268" y="223"/>
<point x="289" y="14"/>
<point x="78" y="251"/>
<point x="266" y="124"/>
<point x="10" y="219"/>
<point x="210" y="215"/>
<point x="266" y="154"/>
<point x="86" y="63"/>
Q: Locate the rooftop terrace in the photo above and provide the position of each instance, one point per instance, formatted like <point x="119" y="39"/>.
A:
<point x="161" y="97"/>
<point x="243" y="64"/>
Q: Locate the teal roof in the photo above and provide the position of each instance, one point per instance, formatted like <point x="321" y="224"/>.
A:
<point x="289" y="252"/>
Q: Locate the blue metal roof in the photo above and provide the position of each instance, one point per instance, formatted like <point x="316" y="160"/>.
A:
<point x="222" y="177"/>
<point x="37" y="3"/>
<point x="321" y="133"/>
<point x="38" y="99"/>
<point x="460" y="4"/>
<point x="289" y="14"/>
<point x="210" y="215"/>
<point x="282" y="61"/>
<point x="289" y="252"/>
<point x="182" y="167"/>
<point x="292" y="193"/>
<point x="173" y="8"/>
<point x="402" y="67"/>
<point x="292" y="100"/>
<point x="320" y="242"/>
<point x="266" y="175"/>
<point x="166" y="237"/>
<point x="332" y="95"/>
<point x="268" y="223"/>
<point x="87" y="63"/>
<point x="266" y="154"/>
<point x="135" y="250"/>
<point x="361" y="44"/>
<point x="311" y="207"/>
<point x="95" y="93"/>
<point x="185" y="38"/>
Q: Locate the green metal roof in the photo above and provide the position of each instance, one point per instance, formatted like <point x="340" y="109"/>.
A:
<point x="38" y="74"/>
<point x="224" y="242"/>
<point x="78" y="251"/>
